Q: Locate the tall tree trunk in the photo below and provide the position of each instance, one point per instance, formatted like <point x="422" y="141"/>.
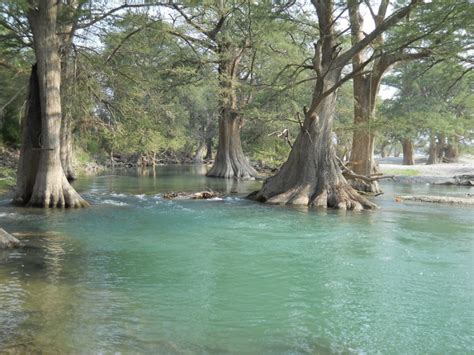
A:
<point x="199" y="155"/>
<point x="65" y="40"/>
<point x="362" y="159"/>
<point x="208" y="149"/>
<point x="30" y="142"/>
<point x="66" y="150"/>
<point x="452" y="150"/>
<point x="408" y="152"/>
<point x="230" y="161"/>
<point x="51" y="187"/>
<point x="434" y="156"/>
<point x="366" y="88"/>
<point x="311" y="176"/>
<point x="383" y="152"/>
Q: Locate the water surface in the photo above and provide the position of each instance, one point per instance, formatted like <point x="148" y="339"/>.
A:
<point x="136" y="273"/>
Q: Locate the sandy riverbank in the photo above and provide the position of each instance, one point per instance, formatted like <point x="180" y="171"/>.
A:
<point x="422" y="173"/>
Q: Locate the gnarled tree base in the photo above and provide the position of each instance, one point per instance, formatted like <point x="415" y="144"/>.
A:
<point x="230" y="169"/>
<point x="56" y="196"/>
<point x="342" y="196"/>
<point x="231" y="162"/>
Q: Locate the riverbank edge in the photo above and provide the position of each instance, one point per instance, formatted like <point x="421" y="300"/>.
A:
<point x="9" y="161"/>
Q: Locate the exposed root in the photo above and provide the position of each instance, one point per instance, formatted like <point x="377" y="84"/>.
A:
<point x="59" y="196"/>
<point x="233" y="169"/>
<point x="340" y="197"/>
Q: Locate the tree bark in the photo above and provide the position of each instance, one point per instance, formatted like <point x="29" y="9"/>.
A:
<point x="230" y="161"/>
<point x="408" y="152"/>
<point x="434" y="155"/>
<point x="452" y="150"/>
<point x="30" y="142"/>
<point x="199" y="155"/>
<point x="366" y="88"/>
<point x="51" y="187"/>
<point x="362" y="159"/>
<point x="311" y="176"/>
<point x="66" y="36"/>
<point x="208" y="149"/>
<point x="66" y="143"/>
<point x="383" y="152"/>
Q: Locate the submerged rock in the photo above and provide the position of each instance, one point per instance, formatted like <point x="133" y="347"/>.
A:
<point x="7" y="240"/>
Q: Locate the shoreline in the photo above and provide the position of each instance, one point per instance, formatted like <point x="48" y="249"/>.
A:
<point x="436" y="174"/>
<point x="420" y="173"/>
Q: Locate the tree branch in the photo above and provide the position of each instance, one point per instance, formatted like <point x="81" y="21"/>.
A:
<point x="389" y="22"/>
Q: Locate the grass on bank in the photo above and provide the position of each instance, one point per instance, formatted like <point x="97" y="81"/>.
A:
<point x="7" y="178"/>
<point x="403" y="172"/>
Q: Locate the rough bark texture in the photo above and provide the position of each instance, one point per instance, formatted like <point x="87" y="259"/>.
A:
<point x="365" y="87"/>
<point x="366" y="84"/>
<point x="67" y="31"/>
<point x="51" y="187"/>
<point x="408" y="152"/>
<point x="30" y="138"/>
<point x="362" y="159"/>
<point x="230" y="161"/>
<point x="66" y="150"/>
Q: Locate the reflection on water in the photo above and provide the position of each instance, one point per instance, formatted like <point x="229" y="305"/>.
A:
<point x="136" y="273"/>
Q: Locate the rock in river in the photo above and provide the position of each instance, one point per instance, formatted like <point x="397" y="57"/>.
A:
<point x="7" y="240"/>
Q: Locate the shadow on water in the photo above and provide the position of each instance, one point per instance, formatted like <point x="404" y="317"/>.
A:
<point x="34" y="294"/>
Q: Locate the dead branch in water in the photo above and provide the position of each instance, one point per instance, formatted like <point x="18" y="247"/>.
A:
<point x="350" y="174"/>
<point x="437" y="199"/>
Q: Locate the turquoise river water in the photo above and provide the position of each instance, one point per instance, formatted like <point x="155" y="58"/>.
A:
<point x="138" y="274"/>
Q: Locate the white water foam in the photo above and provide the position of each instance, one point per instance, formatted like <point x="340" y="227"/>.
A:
<point x="115" y="203"/>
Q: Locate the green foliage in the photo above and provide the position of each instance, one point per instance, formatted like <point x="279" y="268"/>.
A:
<point x="14" y="70"/>
<point x="145" y="80"/>
<point x="7" y="178"/>
<point x="430" y="102"/>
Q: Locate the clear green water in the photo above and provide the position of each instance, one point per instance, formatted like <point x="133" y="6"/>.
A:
<point x="137" y="274"/>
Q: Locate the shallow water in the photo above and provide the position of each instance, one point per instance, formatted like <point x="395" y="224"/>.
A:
<point x="136" y="273"/>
